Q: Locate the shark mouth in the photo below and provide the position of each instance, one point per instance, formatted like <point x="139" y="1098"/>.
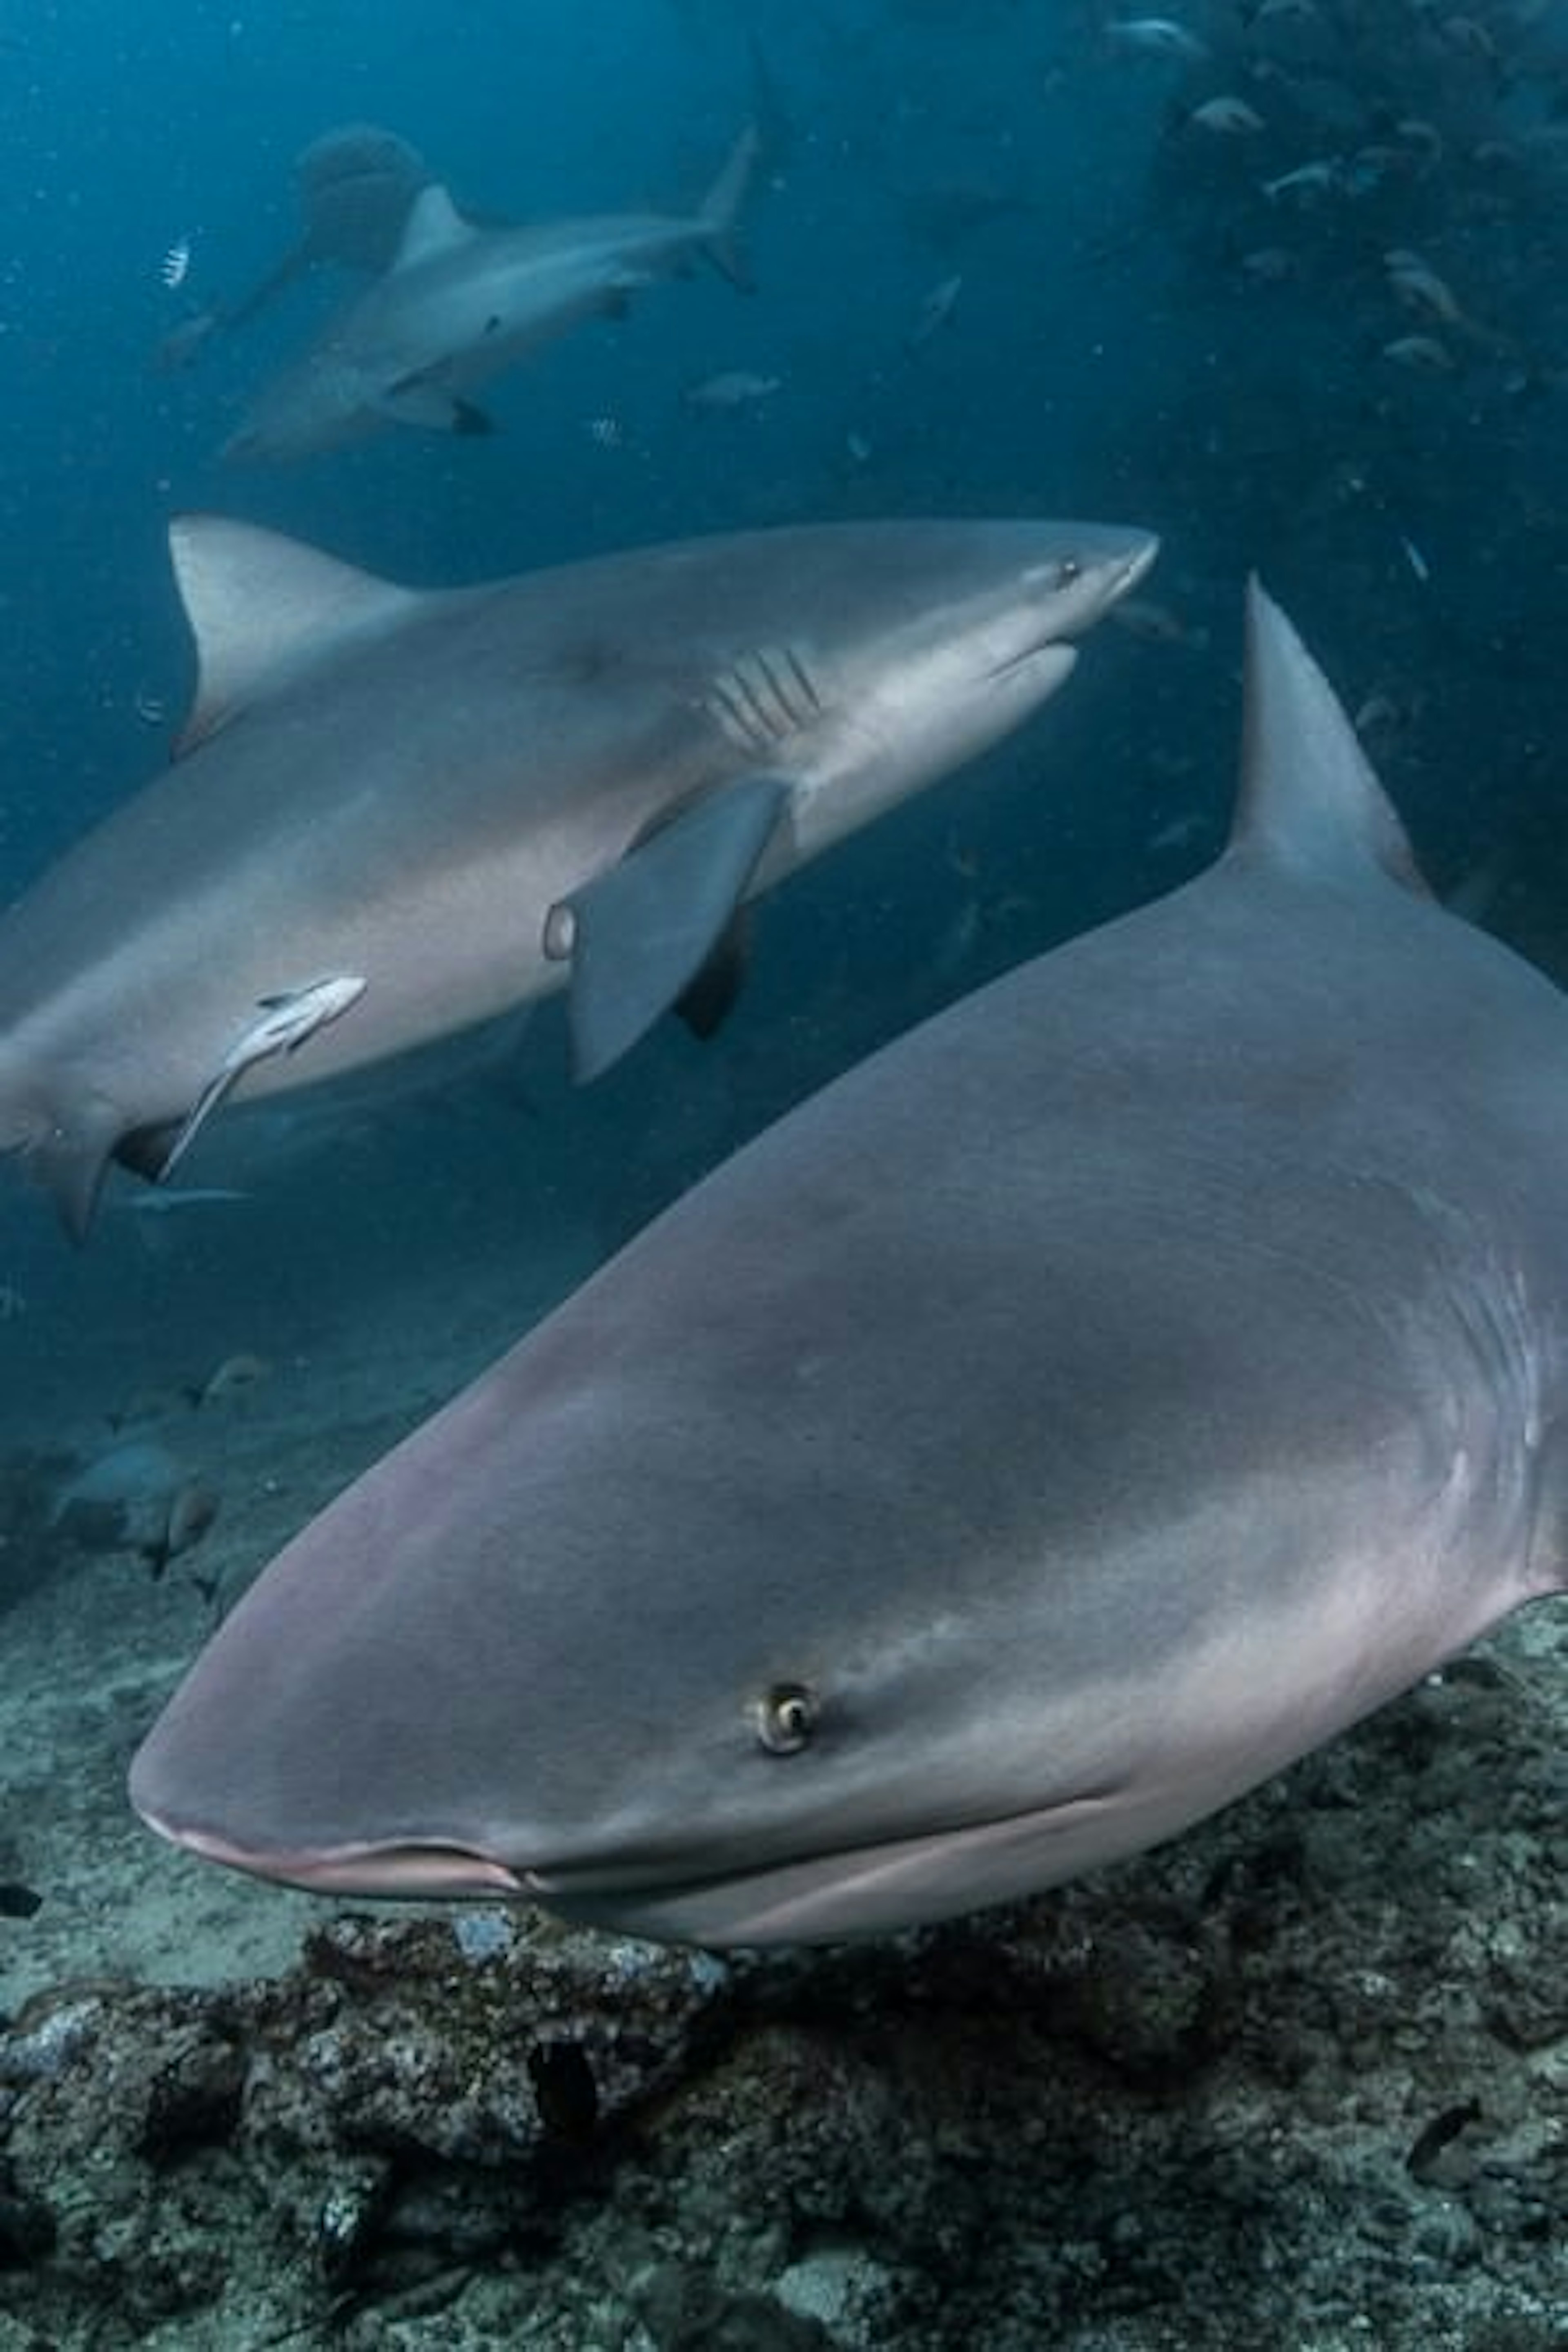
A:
<point x="806" y="1898"/>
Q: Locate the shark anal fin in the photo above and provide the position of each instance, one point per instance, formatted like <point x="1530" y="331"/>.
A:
<point x="641" y="934"/>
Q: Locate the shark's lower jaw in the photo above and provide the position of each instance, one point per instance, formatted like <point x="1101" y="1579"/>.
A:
<point x="414" y="1873"/>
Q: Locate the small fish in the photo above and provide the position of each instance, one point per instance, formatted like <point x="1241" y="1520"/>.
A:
<point x="11" y="1302"/>
<point x="1228" y="118"/>
<point x="192" y="1508"/>
<point x="1430" y="2142"/>
<point x="1322" y="176"/>
<point x="1155" y="37"/>
<point x="287" y="1022"/>
<point x="1417" y="132"/>
<point x="189" y="1196"/>
<point x="1417" y="288"/>
<point x="174" y="268"/>
<point x="1470" y="37"/>
<point x="1268" y="265"/>
<point x="733" y="388"/>
<point x="1378" y="713"/>
<point x="935" y="311"/>
<point x="1423" y="354"/>
<point x="1416" y="559"/>
<point x="1177" y="833"/>
<point x="233" y="1377"/>
<point x="607" y="431"/>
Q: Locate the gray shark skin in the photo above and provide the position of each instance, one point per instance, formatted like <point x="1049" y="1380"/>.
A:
<point x="1101" y="1396"/>
<point x="462" y="304"/>
<point x="422" y="809"/>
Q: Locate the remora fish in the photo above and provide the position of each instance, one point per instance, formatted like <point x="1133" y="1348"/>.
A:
<point x="287" y="1020"/>
<point x="461" y="303"/>
<point x="466" y="798"/>
<point x="1094" y="1401"/>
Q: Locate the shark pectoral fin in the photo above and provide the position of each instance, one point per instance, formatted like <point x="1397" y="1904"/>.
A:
<point x="640" y="935"/>
<point x="432" y="407"/>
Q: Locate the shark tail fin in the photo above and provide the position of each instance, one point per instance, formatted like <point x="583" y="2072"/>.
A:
<point x="68" y="1157"/>
<point x="720" y="210"/>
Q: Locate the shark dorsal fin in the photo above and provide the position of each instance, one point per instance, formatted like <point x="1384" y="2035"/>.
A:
<point x="1309" y="797"/>
<point x="261" y="607"/>
<point x="433" y="226"/>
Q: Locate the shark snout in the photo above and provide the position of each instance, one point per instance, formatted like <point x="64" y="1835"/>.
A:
<point x="1077" y="586"/>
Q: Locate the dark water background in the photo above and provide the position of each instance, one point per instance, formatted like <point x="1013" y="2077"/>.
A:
<point x="1111" y="355"/>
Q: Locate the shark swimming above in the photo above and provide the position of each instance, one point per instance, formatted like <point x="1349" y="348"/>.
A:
<point x="397" y="813"/>
<point x="462" y="302"/>
<point x="1098" y="1398"/>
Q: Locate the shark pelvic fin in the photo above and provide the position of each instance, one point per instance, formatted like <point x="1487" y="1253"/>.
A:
<point x="1309" y="797"/>
<point x="71" y="1163"/>
<point x="640" y="934"/>
<point x="262" y="607"/>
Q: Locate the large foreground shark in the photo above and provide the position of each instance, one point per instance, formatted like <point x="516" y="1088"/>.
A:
<point x="1089" y="1403"/>
<point x="398" y="814"/>
<point x="462" y="302"/>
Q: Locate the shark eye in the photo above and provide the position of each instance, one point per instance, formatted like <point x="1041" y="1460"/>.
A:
<point x="786" y="1718"/>
<point x="1069" y="568"/>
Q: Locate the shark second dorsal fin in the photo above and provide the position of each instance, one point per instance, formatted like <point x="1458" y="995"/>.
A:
<point x="261" y="607"/>
<point x="1309" y="797"/>
<point x="433" y="226"/>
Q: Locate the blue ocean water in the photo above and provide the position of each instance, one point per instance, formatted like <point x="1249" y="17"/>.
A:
<point x="1146" y="330"/>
